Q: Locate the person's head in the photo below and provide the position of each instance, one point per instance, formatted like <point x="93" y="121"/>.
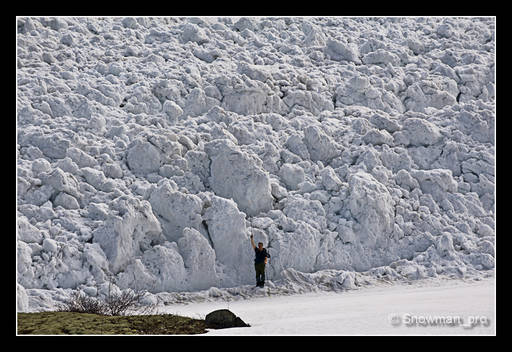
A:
<point x="260" y="245"/>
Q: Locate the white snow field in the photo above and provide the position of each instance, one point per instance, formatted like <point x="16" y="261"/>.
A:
<point x="358" y="150"/>
<point x="446" y="308"/>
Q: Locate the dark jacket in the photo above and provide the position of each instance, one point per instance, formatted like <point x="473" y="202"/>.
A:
<point x="260" y="255"/>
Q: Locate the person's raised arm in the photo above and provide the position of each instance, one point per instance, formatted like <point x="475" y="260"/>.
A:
<point x="252" y="242"/>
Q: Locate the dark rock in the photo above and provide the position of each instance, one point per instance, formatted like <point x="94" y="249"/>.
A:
<point x="223" y="318"/>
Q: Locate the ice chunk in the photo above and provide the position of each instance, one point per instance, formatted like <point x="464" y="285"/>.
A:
<point x="227" y="231"/>
<point x="124" y="234"/>
<point x="320" y="145"/>
<point x="175" y="210"/>
<point x="420" y="132"/>
<point x="372" y="206"/>
<point x="194" y="33"/>
<point x="338" y="51"/>
<point x="143" y="157"/>
<point x="238" y="175"/>
<point x="199" y="259"/>
<point x="292" y="175"/>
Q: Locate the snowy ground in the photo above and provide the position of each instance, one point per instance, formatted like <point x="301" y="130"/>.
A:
<point x="368" y="311"/>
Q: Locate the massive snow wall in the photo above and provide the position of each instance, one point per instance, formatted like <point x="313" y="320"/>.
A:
<point x="149" y="149"/>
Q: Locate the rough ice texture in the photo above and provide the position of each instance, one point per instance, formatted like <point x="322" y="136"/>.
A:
<point x="149" y="149"/>
<point x="238" y="175"/>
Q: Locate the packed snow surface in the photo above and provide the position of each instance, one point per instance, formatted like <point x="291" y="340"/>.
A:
<point x="149" y="149"/>
<point x="440" y="308"/>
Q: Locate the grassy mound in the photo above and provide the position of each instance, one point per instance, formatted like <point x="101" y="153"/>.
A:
<point x="72" y="323"/>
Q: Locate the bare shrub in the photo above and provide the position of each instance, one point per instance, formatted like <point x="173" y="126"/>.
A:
<point x="81" y="303"/>
<point x="115" y="304"/>
<point x="127" y="301"/>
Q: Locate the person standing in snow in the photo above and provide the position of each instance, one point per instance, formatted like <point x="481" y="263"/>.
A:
<point x="260" y="260"/>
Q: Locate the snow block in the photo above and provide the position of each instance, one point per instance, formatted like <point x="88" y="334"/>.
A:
<point x="420" y="132"/>
<point x="237" y="174"/>
<point x="229" y="238"/>
<point x="143" y="157"/>
<point x="199" y="259"/>
<point x="127" y="231"/>
<point x="175" y="210"/>
<point x="338" y="51"/>
<point x="372" y="207"/>
<point x="320" y="145"/>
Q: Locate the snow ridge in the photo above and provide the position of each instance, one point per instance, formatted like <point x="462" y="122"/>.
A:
<point x="149" y="149"/>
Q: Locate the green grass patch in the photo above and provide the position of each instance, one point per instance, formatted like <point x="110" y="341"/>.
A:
<point x="72" y="323"/>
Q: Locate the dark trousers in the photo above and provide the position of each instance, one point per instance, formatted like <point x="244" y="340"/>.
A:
<point x="260" y="273"/>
